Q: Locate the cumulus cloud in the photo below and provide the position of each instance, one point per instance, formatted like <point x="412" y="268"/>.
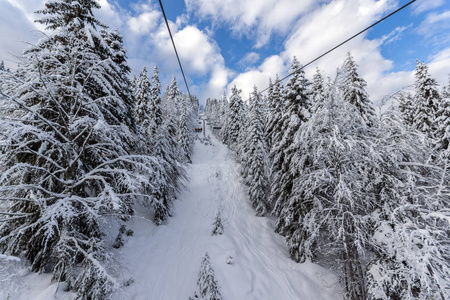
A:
<point x="257" y="19"/>
<point x="272" y="66"/>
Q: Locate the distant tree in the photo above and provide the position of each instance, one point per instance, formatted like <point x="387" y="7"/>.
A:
<point x="405" y="106"/>
<point x="354" y="89"/>
<point x="224" y="114"/>
<point x="274" y="115"/>
<point x="218" y="226"/>
<point x="442" y="122"/>
<point x="184" y="131"/>
<point x="318" y="92"/>
<point x="142" y="106"/>
<point x="235" y="118"/>
<point x="155" y="104"/>
<point x="426" y="100"/>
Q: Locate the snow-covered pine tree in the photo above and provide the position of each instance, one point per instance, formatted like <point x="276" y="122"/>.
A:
<point x="353" y="87"/>
<point x="274" y="115"/>
<point x="410" y="235"/>
<point x="318" y="92"/>
<point x="296" y="99"/>
<point x="2" y="66"/>
<point x="256" y="154"/>
<point x="142" y="106"/>
<point x="224" y="114"/>
<point x="218" y="226"/>
<point x="165" y="148"/>
<point x="243" y="143"/>
<point x="184" y="131"/>
<point x="155" y="104"/>
<point x="426" y="100"/>
<point x="207" y="283"/>
<point x="334" y="191"/>
<point x="442" y="123"/>
<point x="173" y="97"/>
<point x="235" y="118"/>
<point x="66" y="161"/>
<point x="405" y="106"/>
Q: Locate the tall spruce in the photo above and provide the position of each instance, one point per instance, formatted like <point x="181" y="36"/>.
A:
<point x="155" y="94"/>
<point x="235" y="118"/>
<point x="318" y="92"/>
<point x="296" y="99"/>
<point x="405" y="106"/>
<point x="274" y="115"/>
<point x="256" y="155"/>
<point x="426" y="100"/>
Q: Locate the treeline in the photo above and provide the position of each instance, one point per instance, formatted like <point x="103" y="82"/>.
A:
<point x="364" y="193"/>
<point x="81" y="144"/>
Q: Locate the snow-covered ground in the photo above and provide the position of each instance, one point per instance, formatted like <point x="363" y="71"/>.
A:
<point x="164" y="260"/>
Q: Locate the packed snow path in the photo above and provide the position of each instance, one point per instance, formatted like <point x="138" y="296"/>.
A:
<point x="164" y="260"/>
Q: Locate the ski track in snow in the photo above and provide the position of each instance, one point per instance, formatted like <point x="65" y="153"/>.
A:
<point x="164" y="261"/>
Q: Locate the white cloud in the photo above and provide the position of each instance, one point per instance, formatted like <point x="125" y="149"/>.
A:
<point x="394" y="35"/>
<point x="144" y="23"/>
<point x="16" y="30"/>
<point x="256" y="19"/>
<point x="260" y="76"/>
<point x="421" y="6"/>
<point x="435" y="22"/>
<point x="439" y="66"/>
<point x="249" y="59"/>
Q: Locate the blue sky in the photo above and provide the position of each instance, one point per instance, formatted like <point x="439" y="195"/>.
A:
<point x="244" y="42"/>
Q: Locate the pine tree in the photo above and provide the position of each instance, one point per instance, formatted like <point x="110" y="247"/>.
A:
<point x="274" y="115"/>
<point x="68" y="158"/>
<point x="207" y="283"/>
<point x="142" y="107"/>
<point x="256" y="153"/>
<point x="184" y="131"/>
<point x="155" y="103"/>
<point x="224" y="122"/>
<point x="218" y="226"/>
<point x="426" y="100"/>
<point x="173" y="96"/>
<point x="409" y="238"/>
<point x="442" y="123"/>
<point x="354" y="89"/>
<point x="296" y="99"/>
<point x="235" y="118"/>
<point x="318" y="92"/>
<point x="405" y="106"/>
<point x="337" y="170"/>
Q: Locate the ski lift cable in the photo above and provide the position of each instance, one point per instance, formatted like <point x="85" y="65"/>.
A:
<point x="175" y="48"/>
<point x="339" y="45"/>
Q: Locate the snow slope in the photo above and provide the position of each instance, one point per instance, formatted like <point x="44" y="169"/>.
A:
<point x="164" y="261"/>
